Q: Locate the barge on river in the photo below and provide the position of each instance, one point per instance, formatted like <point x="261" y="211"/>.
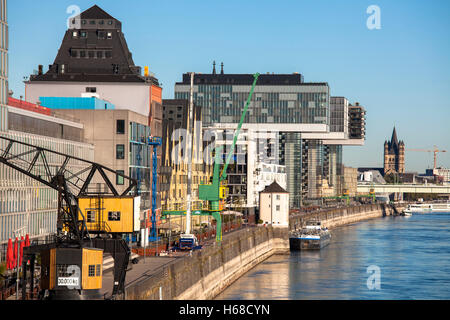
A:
<point x="312" y="237"/>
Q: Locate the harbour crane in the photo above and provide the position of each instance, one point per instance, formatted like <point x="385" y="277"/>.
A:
<point x="214" y="194"/>
<point x="217" y="191"/>
<point x="435" y="151"/>
<point x="71" y="264"/>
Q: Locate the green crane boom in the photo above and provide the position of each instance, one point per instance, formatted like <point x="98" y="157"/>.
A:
<point x="223" y="174"/>
<point x="214" y="192"/>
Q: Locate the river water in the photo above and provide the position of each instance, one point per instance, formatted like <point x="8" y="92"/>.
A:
<point x="385" y="258"/>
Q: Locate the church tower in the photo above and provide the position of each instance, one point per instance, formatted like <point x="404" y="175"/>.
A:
<point x="394" y="155"/>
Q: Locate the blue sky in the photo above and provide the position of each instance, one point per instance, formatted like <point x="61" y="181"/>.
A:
<point x="399" y="73"/>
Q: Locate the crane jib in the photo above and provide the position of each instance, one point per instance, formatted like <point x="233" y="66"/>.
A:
<point x="223" y="174"/>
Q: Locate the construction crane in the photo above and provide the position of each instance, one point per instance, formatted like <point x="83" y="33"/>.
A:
<point x="215" y="193"/>
<point x="435" y="151"/>
<point x="71" y="264"/>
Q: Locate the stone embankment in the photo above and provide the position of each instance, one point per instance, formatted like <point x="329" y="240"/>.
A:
<point x="206" y="273"/>
<point x="335" y="217"/>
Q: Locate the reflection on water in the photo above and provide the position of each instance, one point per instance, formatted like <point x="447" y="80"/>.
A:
<point x="413" y="254"/>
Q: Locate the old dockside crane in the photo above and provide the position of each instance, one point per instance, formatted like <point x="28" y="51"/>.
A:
<point x="215" y="194"/>
<point x="72" y="263"/>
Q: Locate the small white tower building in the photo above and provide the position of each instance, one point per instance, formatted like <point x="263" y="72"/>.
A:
<point x="274" y="205"/>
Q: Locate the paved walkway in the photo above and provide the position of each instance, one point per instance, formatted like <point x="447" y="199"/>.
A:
<point x="144" y="269"/>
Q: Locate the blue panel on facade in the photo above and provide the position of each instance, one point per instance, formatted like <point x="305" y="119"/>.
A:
<point x="76" y="103"/>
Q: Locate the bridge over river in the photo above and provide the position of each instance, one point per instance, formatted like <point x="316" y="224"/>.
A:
<point x="404" y="188"/>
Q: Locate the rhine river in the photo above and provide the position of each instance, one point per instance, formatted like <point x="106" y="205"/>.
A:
<point x="412" y="255"/>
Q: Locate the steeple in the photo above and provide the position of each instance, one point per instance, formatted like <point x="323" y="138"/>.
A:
<point x="394" y="140"/>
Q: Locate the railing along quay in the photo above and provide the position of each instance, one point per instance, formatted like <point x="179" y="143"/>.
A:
<point x="298" y="220"/>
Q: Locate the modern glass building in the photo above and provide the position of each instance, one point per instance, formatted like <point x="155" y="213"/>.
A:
<point x="3" y="66"/>
<point x="27" y="206"/>
<point x="277" y="99"/>
<point x="283" y="103"/>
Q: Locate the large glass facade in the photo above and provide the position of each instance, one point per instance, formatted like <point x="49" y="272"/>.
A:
<point x="290" y="156"/>
<point x="303" y="103"/>
<point x="338" y="114"/>
<point x="140" y="162"/>
<point x="27" y="206"/>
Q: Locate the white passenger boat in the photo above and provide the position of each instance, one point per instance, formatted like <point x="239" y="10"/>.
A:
<point x="427" y="207"/>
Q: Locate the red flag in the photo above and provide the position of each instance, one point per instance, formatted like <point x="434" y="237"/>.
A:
<point x="9" y="255"/>
<point x="15" y="253"/>
<point x="22" y="244"/>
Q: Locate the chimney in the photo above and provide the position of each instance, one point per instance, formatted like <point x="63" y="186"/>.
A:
<point x="221" y="70"/>
<point x="214" y="67"/>
<point x="40" y="69"/>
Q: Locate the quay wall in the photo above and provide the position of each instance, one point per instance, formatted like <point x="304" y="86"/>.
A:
<point x="335" y="217"/>
<point x="207" y="272"/>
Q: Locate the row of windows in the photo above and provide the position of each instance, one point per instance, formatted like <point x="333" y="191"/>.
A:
<point x="62" y="270"/>
<point x="93" y="22"/>
<point x="112" y="216"/>
<point x="84" y="34"/>
<point x="92" y="54"/>
<point x="19" y="200"/>
<point x="306" y="108"/>
<point x="37" y="224"/>
<point x="77" y="150"/>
